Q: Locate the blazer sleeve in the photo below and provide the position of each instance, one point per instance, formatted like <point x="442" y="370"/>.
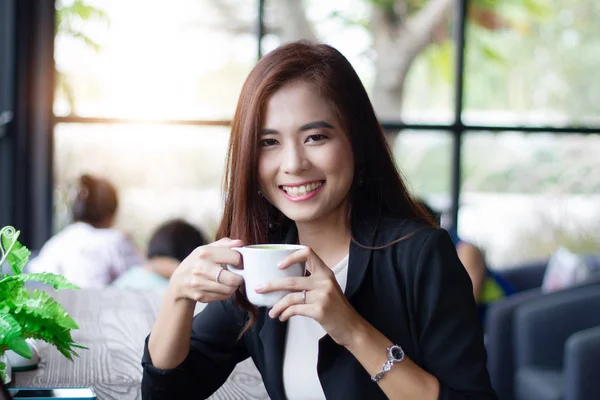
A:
<point x="214" y="352"/>
<point x="450" y="332"/>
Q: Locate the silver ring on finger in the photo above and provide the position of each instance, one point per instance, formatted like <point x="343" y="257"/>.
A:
<point x="218" y="275"/>
<point x="304" y="296"/>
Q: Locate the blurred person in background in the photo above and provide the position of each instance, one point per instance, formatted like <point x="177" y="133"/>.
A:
<point x="169" y="245"/>
<point x="89" y="252"/>
<point x="488" y="287"/>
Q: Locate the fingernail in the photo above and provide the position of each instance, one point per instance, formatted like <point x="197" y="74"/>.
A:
<point x="271" y="314"/>
<point x="259" y="288"/>
<point x="280" y="264"/>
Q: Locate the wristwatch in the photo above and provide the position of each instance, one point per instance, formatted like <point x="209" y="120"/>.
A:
<point x="395" y="355"/>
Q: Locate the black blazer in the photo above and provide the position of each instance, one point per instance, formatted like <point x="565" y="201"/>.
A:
<point x="416" y="292"/>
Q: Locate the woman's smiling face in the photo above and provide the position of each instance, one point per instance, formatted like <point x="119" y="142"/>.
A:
<point x="305" y="165"/>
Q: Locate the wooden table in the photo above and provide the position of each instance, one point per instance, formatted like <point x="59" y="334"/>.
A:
<point x="113" y="325"/>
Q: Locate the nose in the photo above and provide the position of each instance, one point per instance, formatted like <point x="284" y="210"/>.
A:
<point x="294" y="160"/>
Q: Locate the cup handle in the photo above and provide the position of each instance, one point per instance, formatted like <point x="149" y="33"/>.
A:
<point x="235" y="270"/>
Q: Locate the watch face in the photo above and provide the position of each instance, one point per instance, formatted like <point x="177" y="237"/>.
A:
<point x="397" y="353"/>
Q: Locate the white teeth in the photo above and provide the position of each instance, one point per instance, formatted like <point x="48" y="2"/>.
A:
<point x="302" y="190"/>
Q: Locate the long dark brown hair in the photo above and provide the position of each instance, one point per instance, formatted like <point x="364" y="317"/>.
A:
<point x="377" y="182"/>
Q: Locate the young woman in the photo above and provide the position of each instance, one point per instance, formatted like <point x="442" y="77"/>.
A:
<point x="387" y="311"/>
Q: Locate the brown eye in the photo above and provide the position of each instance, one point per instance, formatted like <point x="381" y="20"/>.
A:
<point x="315" y="138"/>
<point x="268" y="142"/>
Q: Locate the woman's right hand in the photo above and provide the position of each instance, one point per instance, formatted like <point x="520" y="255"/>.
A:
<point x="195" y="278"/>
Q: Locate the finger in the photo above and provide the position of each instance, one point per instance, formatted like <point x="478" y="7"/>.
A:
<point x="218" y="288"/>
<point x="227" y="278"/>
<point x="296" y="257"/>
<point x="287" y="301"/>
<point x="314" y="264"/>
<point x="200" y="289"/>
<point x="293" y="283"/>
<point x="206" y="297"/>
<point x="306" y="310"/>
<point x="218" y="255"/>
<point x="227" y="242"/>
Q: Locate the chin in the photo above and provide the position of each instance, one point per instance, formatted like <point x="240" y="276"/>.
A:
<point x="301" y="216"/>
<point x="296" y="217"/>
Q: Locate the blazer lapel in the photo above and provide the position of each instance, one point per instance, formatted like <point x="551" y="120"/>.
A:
<point x="272" y="336"/>
<point x="363" y="231"/>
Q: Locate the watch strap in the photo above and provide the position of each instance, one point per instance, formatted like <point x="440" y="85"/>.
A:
<point x="386" y="367"/>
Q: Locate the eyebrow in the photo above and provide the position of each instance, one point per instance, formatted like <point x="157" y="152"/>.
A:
<point x="315" y="125"/>
<point x="305" y="127"/>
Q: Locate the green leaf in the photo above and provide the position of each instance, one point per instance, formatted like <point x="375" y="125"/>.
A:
<point x="3" y="371"/>
<point x="11" y="336"/>
<point x="491" y="54"/>
<point x="45" y="307"/>
<point x="18" y="258"/>
<point x="385" y="4"/>
<point x="489" y="4"/>
<point x="362" y="21"/>
<point x="21" y="347"/>
<point x="85" y="39"/>
<point x="41" y="317"/>
<point x="70" y="16"/>
<point x="440" y="60"/>
<point x="537" y="8"/>
<point x="58" y="282"/>
<point x="16" y="254"/>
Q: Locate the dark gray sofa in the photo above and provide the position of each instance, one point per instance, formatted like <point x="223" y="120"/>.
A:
<point x="501" y="327"/>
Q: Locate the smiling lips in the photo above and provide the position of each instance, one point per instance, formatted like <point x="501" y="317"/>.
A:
<point x="302" y="192"/>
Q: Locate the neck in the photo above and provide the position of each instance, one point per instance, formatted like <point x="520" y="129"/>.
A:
<point x="164" y="266"/>
<point x="329" y="238"/>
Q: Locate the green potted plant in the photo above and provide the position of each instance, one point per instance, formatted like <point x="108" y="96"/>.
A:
<point x="30" y="314"/>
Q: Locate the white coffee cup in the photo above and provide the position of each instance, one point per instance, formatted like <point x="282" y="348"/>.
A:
<point x="260" y="266"/>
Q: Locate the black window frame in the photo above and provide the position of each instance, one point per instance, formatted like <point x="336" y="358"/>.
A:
<point x="457" y="128"/>
<point x="26" y="144"/>
<point x="6" y="109"/>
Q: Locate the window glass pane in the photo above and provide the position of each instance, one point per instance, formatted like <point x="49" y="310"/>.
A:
<point x="425" y="160"/>
<point x="533" y="63"/>
<point x="406" y="67"/>
<point x="525" y="195"/>
<point x="148" y="59"/>
<point x="160" y="171"/>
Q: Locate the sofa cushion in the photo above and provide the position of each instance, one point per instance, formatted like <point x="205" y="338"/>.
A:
<point x="538" y="384"/>
<point x="524" y="276"/>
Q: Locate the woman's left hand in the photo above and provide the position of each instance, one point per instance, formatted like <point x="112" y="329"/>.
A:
<point x="323" y="299"/>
